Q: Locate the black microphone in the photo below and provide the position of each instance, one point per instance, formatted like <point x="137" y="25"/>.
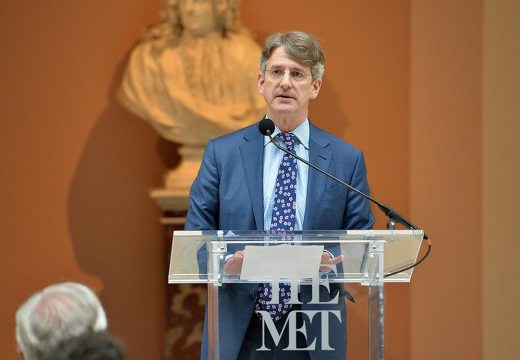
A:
<point x="266" y="127"/>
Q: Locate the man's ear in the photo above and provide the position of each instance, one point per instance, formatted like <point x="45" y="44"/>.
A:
<point x="261" y="81"/>
<point x="316" y="86"/>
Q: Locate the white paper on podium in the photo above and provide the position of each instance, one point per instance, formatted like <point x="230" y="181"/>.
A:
<point x="263" y="263"/>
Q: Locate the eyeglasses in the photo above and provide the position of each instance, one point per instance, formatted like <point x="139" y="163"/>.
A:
<point x="277" y="74"/>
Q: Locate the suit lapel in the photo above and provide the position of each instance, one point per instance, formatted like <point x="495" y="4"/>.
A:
<point x="252" y="154"/>
<point x="321" y="157"/>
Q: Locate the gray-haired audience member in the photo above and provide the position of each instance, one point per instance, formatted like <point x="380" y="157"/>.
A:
<point x="57" y="313"/>
<point x="89" y="346"/>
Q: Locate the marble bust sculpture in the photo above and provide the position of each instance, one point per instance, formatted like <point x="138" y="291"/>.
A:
<point x="193" y="77"/>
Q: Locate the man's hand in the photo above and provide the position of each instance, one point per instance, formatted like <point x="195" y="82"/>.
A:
<point x="233" y="265"/>
<point x="327" y="259"/>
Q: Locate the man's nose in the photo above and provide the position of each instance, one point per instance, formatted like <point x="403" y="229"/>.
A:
<point x="286" y="82"/>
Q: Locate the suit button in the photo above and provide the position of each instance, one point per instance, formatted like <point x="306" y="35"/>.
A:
<point x="252" y="296"/>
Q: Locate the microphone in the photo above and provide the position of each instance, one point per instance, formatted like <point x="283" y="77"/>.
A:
<point x="266" y="127"/>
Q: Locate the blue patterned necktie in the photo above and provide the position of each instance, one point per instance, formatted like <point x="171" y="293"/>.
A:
<point x="283" y="219"/>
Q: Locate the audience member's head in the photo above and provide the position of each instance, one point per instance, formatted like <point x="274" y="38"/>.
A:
<point x="57" y="313"/>
<point x="89" y="346"/>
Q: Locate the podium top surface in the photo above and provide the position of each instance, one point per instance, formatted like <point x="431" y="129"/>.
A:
<point x="200" y="256"/>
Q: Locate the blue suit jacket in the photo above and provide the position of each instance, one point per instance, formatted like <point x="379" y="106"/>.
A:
<point x="228" y="195"/>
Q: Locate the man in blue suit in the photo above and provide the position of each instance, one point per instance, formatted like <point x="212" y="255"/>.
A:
<point x="238" y="188"/>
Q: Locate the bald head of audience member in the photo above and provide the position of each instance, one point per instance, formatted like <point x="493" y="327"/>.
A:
<point x="57" y="313"/>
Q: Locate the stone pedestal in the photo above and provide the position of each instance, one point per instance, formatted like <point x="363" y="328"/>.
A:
<point x="185" y="302"/>
<point x="174" y="201"/>
<point x="175" y="196"/>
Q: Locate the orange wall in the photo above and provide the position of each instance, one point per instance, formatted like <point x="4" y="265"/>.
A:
<point x="403" y="82"/>
<point x="75" y="167"/>
<point x="446" y="184"/>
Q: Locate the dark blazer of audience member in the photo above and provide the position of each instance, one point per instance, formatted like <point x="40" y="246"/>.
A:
<point x="89" y="346"/>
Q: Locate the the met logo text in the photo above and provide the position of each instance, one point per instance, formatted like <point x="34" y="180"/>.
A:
<point x="290" y="326"/>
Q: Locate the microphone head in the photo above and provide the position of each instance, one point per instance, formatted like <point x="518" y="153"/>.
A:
<point x="266" y="126"/>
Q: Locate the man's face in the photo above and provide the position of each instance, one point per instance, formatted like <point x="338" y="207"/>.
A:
<point x="286" y="97"/>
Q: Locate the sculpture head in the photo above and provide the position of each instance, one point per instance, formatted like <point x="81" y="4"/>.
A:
<point x="200" y="17"/>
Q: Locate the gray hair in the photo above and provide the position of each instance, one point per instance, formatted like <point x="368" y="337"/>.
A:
<point x="58" y="312"/>
<point x="301" y="46"/>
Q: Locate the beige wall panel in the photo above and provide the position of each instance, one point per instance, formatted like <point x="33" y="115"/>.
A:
<point x="501" y="179"/>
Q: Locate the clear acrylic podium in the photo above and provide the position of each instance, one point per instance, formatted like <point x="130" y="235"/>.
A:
<point x="369" y="255"/>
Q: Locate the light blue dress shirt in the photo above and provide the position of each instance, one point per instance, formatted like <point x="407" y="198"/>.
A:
<point x="272" y="159"/>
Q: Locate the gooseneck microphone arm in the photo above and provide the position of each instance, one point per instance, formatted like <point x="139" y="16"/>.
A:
<point x="266" y="127"/>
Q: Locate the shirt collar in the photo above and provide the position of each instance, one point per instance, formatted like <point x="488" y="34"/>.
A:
<point x="302" y="132"/>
